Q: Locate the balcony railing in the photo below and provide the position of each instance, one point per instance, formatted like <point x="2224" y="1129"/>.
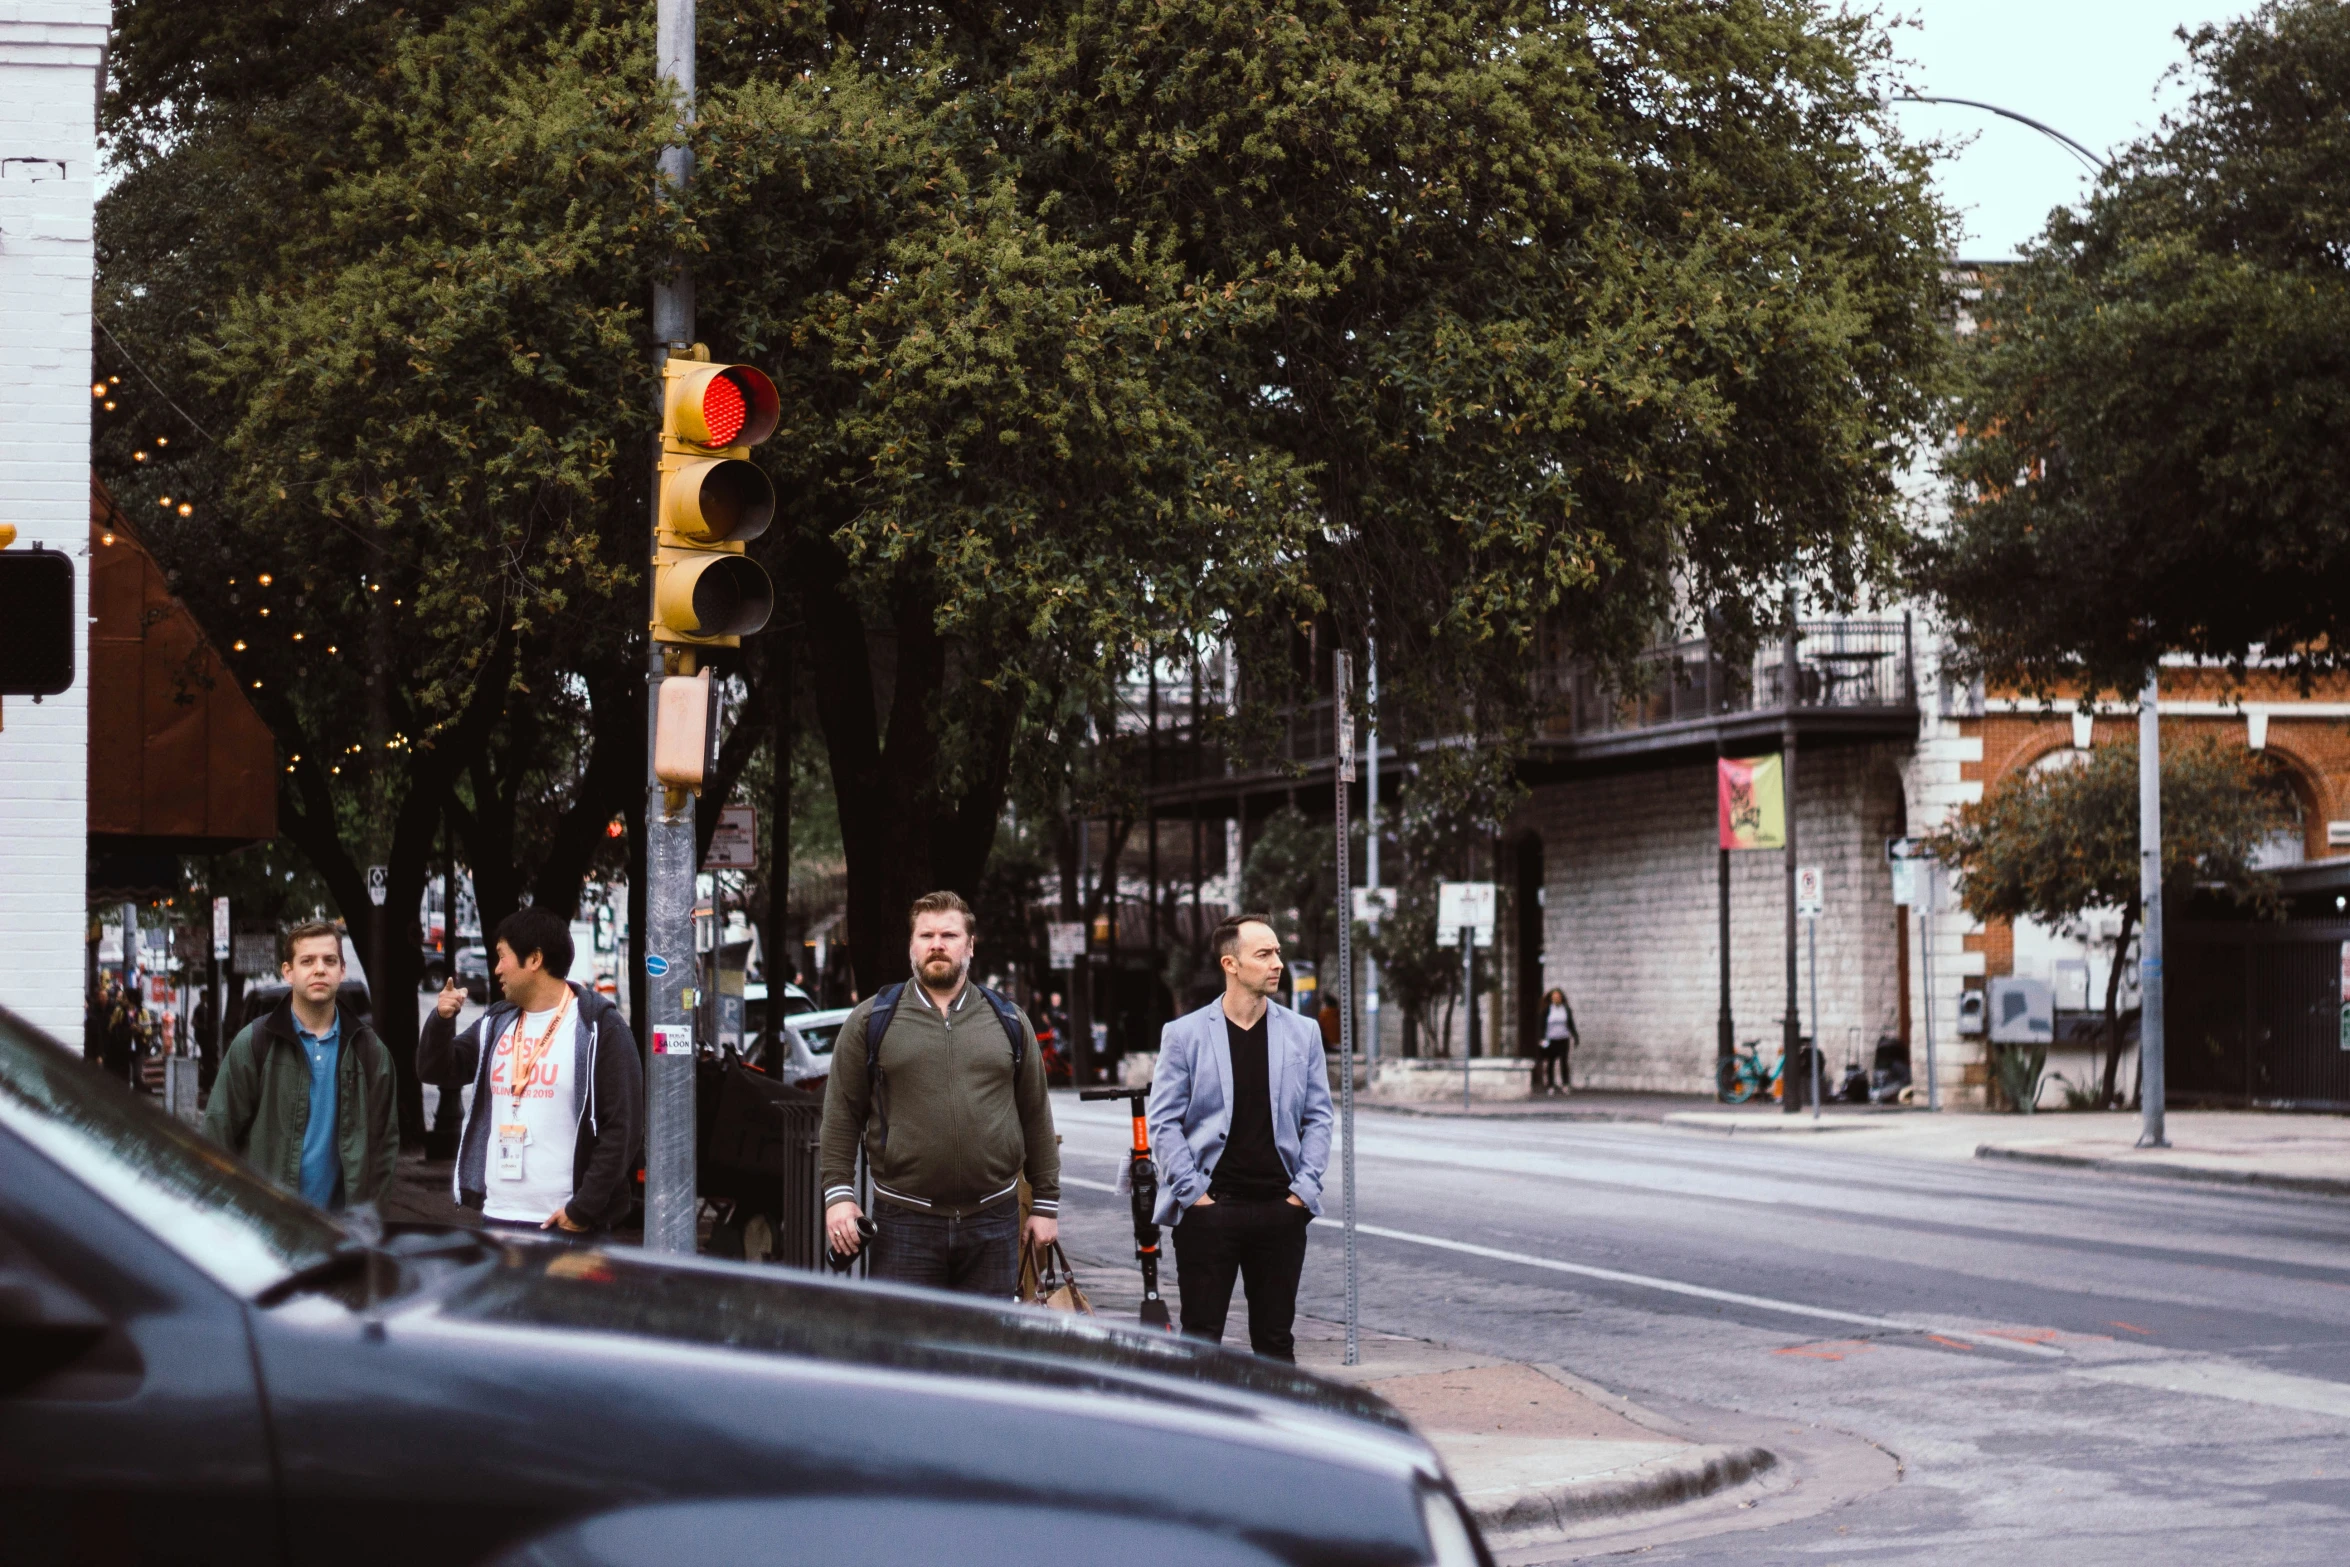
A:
<point x="1839" y="664"/>
<point x="1857" y="666"/>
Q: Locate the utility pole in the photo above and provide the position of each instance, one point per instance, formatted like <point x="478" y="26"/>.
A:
<point x="1791" y="1040"/>
<point x="2150" y="1062"/>
<point x="665" y="946"/>
<point x="1371" y="864"/>
<point x="1342" y="714"/>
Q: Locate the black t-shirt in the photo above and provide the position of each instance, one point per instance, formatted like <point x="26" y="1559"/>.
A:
<point x="1250" y="1166"/>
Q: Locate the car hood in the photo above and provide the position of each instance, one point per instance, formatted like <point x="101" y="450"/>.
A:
<point x="765" y="1310"/>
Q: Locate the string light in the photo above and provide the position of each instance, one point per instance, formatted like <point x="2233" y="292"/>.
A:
<point x="331" y="648"/>
<point x="265" y="612"/>
<point x="163" y="440"/>
<point x="297" y="636"/>
<point x="265" y="579"/>
<point x="186" y="510"/>
<point x="97" y="388"/>
<point x="164" y="502"/>
<point x="138" y="457"/>
<point x="106" y="539"/>
<point x="238" y="646"/>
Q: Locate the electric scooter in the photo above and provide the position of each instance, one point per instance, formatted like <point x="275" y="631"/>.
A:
<point x="1142" y="1180"/>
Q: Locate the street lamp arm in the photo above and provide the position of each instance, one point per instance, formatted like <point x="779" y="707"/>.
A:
<point x="2096" y="164"/>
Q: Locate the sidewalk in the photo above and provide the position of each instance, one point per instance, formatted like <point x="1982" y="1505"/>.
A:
<point x="1537" y="1452"/>
<point x="2296" y="1152"/>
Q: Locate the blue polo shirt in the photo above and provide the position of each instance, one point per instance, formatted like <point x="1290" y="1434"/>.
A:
<point x="322" y="1161"/>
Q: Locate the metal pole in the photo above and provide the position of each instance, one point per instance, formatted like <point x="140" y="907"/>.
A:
<point x="2150" y="1062"/>
<point x="1812" y="936"/>
<point x="1792" y="1035"/>
<point x="1926" y="963"/>
<point x="1371" y="862"/>
<point x="1468" y="1003"/>
<point x="667" y="942"/>
<point x="1342" y="682"/>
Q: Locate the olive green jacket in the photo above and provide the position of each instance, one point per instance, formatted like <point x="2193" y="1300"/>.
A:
<point x="260" y="1104"/>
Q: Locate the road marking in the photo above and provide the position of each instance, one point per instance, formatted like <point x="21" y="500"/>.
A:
<point x="2225" y="1379"/>
<point x="1701" y="1292"/>
<point x="2132" y="1327"/>
<point x="1091" y="1186"/>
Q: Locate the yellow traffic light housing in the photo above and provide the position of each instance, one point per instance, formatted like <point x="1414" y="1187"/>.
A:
<point x="706" y="591"/>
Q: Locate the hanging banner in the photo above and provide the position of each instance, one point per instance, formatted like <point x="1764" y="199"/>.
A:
<point x="1753" y="803"/>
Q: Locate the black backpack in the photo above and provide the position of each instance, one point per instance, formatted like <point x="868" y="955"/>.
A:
<point x="885" y="1008"/>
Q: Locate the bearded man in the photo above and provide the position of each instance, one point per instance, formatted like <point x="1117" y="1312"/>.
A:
<point x="943" y="1082"/>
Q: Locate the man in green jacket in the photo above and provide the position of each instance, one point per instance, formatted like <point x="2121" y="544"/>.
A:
<point x="952" y="1111"/>
<point x="304" y="1094"/>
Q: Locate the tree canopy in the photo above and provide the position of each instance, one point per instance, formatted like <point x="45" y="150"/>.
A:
<point x="2148" y="457"/>
<point x="1104" y="326"/>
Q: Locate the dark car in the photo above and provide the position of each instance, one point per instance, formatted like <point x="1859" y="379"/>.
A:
<point x="263" y="999"/>
<point x="196" y="1367"/>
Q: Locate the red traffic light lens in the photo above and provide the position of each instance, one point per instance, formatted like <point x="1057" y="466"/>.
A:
<point x="724" y="411"/>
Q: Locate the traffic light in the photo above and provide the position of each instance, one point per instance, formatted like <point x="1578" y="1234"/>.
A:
<point x="706" y="592"/>
<point x="36" y="619"/>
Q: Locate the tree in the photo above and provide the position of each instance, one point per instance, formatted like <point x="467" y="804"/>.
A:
<point x="383" y="266"/>
<point x="2053" y="843"/>
<point x="2148" y="452"/>
<point x="1104" y="327"/>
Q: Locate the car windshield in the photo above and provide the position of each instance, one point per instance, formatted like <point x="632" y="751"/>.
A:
<point x="818" y="1036"/>
<point x="190" y="1194"/>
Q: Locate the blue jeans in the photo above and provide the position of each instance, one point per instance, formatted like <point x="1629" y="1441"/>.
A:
<point x="979" y="1255"/>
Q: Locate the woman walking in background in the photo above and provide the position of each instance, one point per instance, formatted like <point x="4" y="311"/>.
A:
<point x="1558" y="1037"/>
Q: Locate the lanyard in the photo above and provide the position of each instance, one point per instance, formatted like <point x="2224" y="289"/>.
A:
<point x="528" y="1055"/>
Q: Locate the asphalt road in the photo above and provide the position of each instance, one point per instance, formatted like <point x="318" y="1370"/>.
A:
<point x="2071" y="1367"/>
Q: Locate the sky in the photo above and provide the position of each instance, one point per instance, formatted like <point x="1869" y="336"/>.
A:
<point x="2092" y="69"/>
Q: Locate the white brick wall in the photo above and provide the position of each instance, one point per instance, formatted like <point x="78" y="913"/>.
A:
<point x="49" y="58"/>
<point x="1632" y="931"/>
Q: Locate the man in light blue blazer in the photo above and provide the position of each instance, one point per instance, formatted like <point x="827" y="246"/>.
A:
<point x="1240" y="1129"/>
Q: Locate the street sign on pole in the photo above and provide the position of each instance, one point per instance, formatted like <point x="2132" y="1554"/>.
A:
<point x="220" y="928"/>
<point x="1811" y="892"/>
<point x="1464" y="905"/>
<point x="379" y="883"/>
<point x="1065" y="942"/>
<point x="735" y="845"/>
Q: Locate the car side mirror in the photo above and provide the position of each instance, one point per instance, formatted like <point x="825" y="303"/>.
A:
<point x="45" y="1325"/>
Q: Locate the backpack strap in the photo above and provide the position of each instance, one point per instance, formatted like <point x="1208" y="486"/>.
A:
<point x="1009" y="1016"/>
<point x="877" y="1021"/>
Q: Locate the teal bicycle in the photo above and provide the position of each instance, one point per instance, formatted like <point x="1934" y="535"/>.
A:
<point x="1743" y="1076"/>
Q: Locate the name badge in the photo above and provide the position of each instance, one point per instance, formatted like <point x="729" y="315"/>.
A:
<point x="511" y="1137"/>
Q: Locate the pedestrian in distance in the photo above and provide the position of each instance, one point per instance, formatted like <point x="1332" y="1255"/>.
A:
<point x="304" y="1092"/>
<point x="1239" y="1118"/>
<point x="943" y="1082"/>
<point x="1556" y="1073"/>
<point x="550" y="1141"/>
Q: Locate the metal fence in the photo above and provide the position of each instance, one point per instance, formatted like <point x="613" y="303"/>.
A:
<point x="1837" y="664"/>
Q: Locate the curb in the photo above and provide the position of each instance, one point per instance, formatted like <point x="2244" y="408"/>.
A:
<point x="1707" y="1121"/>
<point x="1658" y="1483"/>
<point x="2316" y="1185"/>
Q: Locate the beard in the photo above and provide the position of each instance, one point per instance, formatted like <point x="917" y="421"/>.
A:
<point x="940" y="972"/>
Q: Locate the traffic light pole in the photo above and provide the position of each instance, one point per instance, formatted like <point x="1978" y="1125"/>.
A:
<point x="666" y="945"/>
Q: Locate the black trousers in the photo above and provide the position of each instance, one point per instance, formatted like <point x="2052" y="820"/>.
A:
<point x="1263" y="1245"/>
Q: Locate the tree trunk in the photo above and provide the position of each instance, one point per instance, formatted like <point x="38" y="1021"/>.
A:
<point x="611" y="783"/>
<point x="2113" y="990"/>
<point x="781" y="964"/>
<point x="900" y="835"/>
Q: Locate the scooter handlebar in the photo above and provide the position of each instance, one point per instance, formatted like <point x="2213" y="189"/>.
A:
<point x="1113" y="1093"/>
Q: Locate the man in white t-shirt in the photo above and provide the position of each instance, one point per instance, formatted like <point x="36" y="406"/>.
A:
<point x="550" y="1140"/>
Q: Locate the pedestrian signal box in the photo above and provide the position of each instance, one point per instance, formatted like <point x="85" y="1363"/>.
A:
<point x="36" y="620"/>
<point x="706" y="591"/>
